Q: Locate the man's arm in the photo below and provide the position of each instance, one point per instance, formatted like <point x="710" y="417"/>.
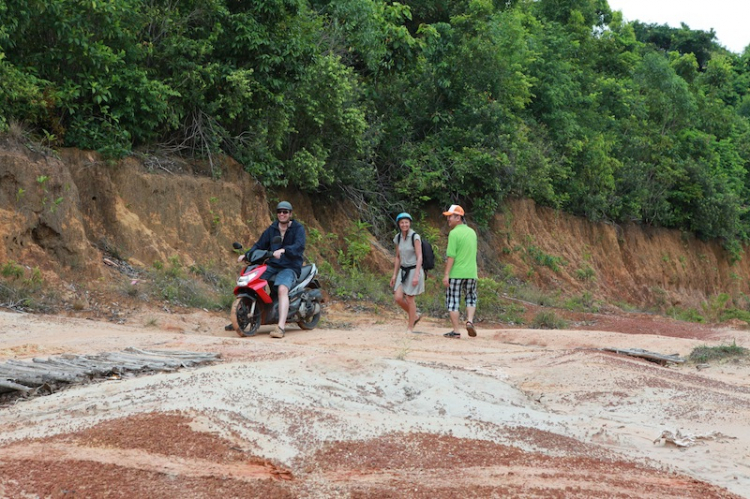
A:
<point x="296" y="247"/>
<point x="263" y="242"/>
<point x="448" y="266"/>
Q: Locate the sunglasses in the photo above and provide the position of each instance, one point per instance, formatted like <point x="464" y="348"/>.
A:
<point x="283" y="212"/>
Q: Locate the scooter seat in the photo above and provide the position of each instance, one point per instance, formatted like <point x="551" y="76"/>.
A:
<point x="306" y="269"/>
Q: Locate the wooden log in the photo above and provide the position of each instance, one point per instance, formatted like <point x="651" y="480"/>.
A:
<point x="20" y="376"/>
<point x="170" y="361"/>
<point x="24" y="376"/>
<point x="196" y="356"/>
<point x="6" y="385"/>
<point x="153" y="364"/>
<point x="52" y="370"/>
<point x="650" y="356"/>
<point x="114" y="365"/>
<point x="98" y="365"/>
<point x="47" y="374"/>
<point x="63" y="365"/>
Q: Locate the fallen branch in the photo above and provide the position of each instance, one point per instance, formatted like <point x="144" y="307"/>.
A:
<point x="659" y="358"/>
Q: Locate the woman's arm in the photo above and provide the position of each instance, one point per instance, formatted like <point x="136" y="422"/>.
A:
<point x="418" y="251"/>
<point x="396" y="266"/>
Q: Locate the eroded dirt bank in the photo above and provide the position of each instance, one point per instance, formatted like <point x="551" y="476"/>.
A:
<point x="359" y="409"/>
<point x="64" y="214"/>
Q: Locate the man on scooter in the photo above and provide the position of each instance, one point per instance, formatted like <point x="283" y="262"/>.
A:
<point x="285" y="266"/>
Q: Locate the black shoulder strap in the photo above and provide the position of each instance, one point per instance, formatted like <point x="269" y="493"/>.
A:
<point x="398" y="240"/>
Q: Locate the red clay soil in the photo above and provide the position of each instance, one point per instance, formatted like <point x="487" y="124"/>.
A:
<point x="160" y="456"/>
<point x="630" y="323"/>
<point x="163" y="455"/>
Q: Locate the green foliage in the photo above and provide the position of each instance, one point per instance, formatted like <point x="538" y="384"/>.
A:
<point x="357" y="246"/>
<point x="681" y="40"/>
<point x="314" y="236"/>
<point x="355" y="285"/>
<point x="397" y="104"/>
<point x="90" y="57"/>
<point x="23" y="289"/>
<point x="583" y="303"/>
<point x="585" y="273"/>
<point x="706" y="354"/>
<point x="23" y="97"/>
<point x="548" y="320"/>
<point x="539" y="257"/>
<point x="689" y="314"/>
<point x="736" y="313"/>
<point x="715" y="307"/>
<point x="196" y="286"/>
<point x="493" y="306"/>
<point x="11" y="270"/>
<point x="215" y="216"/>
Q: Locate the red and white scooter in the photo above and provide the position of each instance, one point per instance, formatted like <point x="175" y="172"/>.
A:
<point x="256" y="302"/>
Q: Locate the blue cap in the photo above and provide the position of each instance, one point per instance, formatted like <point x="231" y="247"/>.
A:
<point x="403" y="215"/>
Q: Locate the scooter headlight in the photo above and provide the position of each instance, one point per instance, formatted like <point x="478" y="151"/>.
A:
<point x="244" y="280"/>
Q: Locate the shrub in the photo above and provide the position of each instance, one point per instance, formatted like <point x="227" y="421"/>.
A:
<point x="705" y="353"/>
<point x="548" y="320"/>
<point x="197" y="287"/>
<point x="23" y="289"/>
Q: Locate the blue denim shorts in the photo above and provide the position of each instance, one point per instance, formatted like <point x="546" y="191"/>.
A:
<point x="281" y="277"/>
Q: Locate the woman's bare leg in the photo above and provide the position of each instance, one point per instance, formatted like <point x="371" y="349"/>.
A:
<point x="412" y="311"/>
<point x="398" y="296"/>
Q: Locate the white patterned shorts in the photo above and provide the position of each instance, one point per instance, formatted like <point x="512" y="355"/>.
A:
<point x="453" y="293"/>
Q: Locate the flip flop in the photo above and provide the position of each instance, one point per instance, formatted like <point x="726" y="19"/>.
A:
<point x="470" y="329"/>
<point x="452" y="334"/>
<point x="418" y="318"/>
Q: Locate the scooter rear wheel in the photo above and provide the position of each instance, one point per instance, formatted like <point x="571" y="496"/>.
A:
<point x="245" y="318"/>
<point x="311" y="323"/>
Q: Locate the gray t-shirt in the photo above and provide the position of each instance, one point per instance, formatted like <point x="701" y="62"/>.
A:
<point x="409" y="259"/>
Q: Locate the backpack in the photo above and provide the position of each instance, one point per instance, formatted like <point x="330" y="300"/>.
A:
<point x="428" y="256"/>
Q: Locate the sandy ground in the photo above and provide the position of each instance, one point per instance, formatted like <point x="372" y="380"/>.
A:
<point x="360" y="408"/>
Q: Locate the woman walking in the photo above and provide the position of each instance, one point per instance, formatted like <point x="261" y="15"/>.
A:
<point x="408" y="276"/>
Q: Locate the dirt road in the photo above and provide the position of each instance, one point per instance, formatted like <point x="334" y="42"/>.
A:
<point x="358" y="408"/>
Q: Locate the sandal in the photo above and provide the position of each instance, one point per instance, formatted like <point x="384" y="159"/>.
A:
<point x="418" y="318"/>
<point x="277" y="332"/>
<point x="470" y="329"/>
<point x="453" y="334"/>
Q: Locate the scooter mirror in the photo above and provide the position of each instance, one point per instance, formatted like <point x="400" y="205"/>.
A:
<point x="236" y="246"/>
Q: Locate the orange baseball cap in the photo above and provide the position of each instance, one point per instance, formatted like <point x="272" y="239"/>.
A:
<point x="454" y="210"/>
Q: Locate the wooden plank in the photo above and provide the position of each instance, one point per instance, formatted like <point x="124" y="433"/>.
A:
<point x="150" y="362"/>
<point x="65" y="365"/>
<point x="23" y="376"/>
<point x="132" y="364"/>
<point x="100" y="365"/>
<point x="193" y="356"/>
<point x="11" y="386"/>
<point x="62" y="374"/>
<point x="47" y="374"/>
<point x="645" y="354"/>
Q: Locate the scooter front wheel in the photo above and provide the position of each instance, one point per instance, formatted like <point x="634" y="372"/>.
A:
<point x="245" y="316"/>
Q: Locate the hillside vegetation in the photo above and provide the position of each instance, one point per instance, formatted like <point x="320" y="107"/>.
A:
<point x="400" y="104"/>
